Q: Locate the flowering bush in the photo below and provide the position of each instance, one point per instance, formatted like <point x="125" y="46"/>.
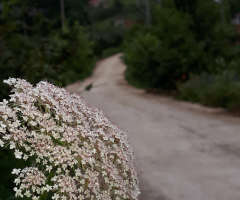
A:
<point x="77" y="152"/>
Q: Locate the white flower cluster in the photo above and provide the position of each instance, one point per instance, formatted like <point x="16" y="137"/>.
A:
<point x="78" y="153"/>
<point x="31" y="179"/>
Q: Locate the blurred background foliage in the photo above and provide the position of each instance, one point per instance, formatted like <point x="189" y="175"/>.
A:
<point x="184" y="38"/>
<point x="31" y="48"/>
<point x="185" y="47"/>
<point x="187" y="42"/>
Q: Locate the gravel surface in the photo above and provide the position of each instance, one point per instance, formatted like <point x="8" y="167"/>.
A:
<point x="183" y="151"/>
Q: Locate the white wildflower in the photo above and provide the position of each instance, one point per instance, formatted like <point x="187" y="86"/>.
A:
<point x="35" y="198"/>
<point x="2" y="130"/>
<point x="48" y="168"/>
<point x="59" y="170"/>
<point x="18" y="192"/>
<point x="48" y="188"/>
<point x="12" y="145"/>
<point x="33" y="123"/>
<point x="27" y="193"/>
<point x="56" y="196"/>
<point x="3" y="125"/>
<point x="78" y="172"/>
<point x="16" y="171"/>
<point x="18" y="154"/>
<point x="63" y="135"/>
<point x="25" y="157"/>
<point x="17" y="181"/>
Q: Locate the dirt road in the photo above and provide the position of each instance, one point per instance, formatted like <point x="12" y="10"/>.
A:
<point x="183" y="151"/>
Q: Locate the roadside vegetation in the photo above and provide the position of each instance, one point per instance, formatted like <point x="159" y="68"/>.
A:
<point x="188" y="51"/>
<point x="33" y="47"/>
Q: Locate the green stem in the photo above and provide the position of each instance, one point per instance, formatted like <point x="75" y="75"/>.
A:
<point x="43" y="196"/>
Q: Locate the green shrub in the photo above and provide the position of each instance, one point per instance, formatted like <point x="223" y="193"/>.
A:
<point x="159" y="57"/>
<point x="59" y="56"/>
<point x="76" y="59"/>
<point x="221" y="90"/>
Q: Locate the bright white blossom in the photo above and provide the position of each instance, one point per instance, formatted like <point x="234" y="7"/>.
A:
<point x="56" y="196"/>
<point x="18" y="192"/>
<point x="48" y="188"/>
<point x="76" y="151"/>
<point x="27" y="193"/>
<point x="64" y="197"/>
<point x="16" y="171"/>
<point x="12" y="146"/>
<point x="18" y="154"/>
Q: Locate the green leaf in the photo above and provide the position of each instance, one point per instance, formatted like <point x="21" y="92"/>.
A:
<point x="43" y="196"/>
<point x="89" y="87"/>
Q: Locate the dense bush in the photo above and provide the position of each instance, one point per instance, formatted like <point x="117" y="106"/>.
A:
<point x="221" y="90"/>
<point x="170" y="50"/>
<point x="74" y="10"/>
<point x="162" y="55"/>
<point x="37" y="51"/>
<point x="76" y="59"/>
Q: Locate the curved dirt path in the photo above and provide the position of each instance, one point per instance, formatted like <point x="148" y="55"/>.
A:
<point x="183" y="151"/>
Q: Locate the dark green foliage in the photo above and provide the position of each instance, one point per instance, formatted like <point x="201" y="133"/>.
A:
<point x="88" y="87"/>
<point x="76" y="57"/>
<point x="213" y="90"/>
<point x="74" y="10"/>
<point x="111" y="51"/>
<point x="160" y="57"/>
<point x="178" y="43"/>
<point x="103" y="29"/>
<point x="234" y="6"/>
<point x="106" y="36"/>
<point x="59" y="56"/>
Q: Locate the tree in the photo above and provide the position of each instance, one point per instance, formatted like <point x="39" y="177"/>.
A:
<point x="148" y="14"/>
<point x="234" y="6"/>
<point x="73" y="10"/>
<point x="62" y="12"/>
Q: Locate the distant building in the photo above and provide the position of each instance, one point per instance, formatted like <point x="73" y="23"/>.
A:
<point x="236" y="19"/>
